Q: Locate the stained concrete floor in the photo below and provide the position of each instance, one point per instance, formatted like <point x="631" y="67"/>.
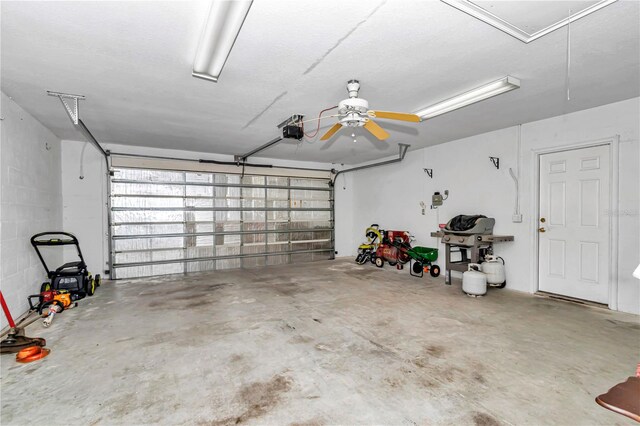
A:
<point x="321" y="343"/>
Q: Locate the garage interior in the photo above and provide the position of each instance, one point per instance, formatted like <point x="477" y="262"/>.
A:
<point x="260" y="244"/>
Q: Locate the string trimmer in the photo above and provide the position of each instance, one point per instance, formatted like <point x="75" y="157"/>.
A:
<point x="16" y="340"/>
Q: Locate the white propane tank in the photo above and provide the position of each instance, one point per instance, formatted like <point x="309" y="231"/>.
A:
<point x="474" y="282"/>
<point x="493" y="267"/>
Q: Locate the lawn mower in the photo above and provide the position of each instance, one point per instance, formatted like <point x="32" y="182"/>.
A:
<point x="72" y="277"/>
<point x="367" y="251"/>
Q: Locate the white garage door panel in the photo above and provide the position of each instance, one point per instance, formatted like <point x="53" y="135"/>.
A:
<point x="166" y="222"/>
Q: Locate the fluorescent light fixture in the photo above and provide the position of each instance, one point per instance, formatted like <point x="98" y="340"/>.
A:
<point x="472" y="96"/>
<point x="469" y="7"/>
<point x="220" y="32"/>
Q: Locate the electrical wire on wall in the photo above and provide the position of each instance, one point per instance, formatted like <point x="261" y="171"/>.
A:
<point x="516" y="176"/>
<point x="82" y="160"/>
<point x="568" y="74"/>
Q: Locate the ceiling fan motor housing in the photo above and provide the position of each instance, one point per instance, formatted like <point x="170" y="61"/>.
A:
<point x="353" y="112"/>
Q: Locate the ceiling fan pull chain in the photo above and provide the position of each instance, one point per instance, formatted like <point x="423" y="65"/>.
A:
<point x="568" y="78"/>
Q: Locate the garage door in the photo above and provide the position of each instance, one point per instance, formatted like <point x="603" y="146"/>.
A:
<point x="168" y="222"/>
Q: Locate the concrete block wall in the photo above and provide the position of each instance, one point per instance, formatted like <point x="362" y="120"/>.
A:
<point x="30" y="201"/>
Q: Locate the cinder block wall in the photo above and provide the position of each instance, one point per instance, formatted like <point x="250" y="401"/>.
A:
<point x="30" y="201"/>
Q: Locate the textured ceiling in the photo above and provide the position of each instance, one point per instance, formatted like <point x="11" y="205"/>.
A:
<point x="133" y="62"/>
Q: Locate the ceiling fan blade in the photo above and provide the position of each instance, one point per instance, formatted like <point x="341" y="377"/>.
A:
<point x="331" y="131"/>
<point x="390" y="115"/>
<point x="376" y="130"/>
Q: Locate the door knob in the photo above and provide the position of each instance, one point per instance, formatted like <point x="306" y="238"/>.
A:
<point x="542" y="230"/>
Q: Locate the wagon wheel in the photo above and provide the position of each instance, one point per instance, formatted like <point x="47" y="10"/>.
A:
<point x="379" y="262"/>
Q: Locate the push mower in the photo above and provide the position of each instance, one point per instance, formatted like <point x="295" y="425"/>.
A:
<point x="367" y="251"/>
<point x="72" y="277"/>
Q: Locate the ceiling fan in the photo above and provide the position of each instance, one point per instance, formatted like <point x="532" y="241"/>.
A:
<point x="355" y="112"/>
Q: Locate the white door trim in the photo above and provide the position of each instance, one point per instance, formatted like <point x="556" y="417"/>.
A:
<point x="613" y="143"/>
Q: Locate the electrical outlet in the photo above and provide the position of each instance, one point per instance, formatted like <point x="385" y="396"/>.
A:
<point x="516" y="218"/>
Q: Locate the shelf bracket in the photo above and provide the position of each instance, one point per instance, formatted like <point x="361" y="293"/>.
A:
<point x="73" y="109"/>
<point x="495" y="161"/>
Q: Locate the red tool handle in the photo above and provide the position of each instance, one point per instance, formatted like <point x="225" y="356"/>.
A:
<point x="6" y="311"/>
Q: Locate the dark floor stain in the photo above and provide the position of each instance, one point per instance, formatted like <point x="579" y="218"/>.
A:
<point x="183" y="288"/>
<point x="290" y="289"/>
<point x="236" y="358"/>
<point x="421" y="362"/>
<point x="300" y="339"/>
<point x="449" y="374"/>
<point x="479" y="378"/>
<point x="183" y="297"/>
<point x="484" y="419"/>
<point x="259" y="398"/>
<point x="311" y="422"/>
<point x="631" y="325"/>
<point x="428" y="382"/>
<point x="317" y="320"/>
<point x="435" y="350"/>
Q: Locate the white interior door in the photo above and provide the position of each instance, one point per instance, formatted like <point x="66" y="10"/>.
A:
<point x="574" y="223"/>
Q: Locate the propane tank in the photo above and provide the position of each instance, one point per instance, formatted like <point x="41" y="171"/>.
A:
<point x="474" y="282"/>
<point x="494" y="269"/>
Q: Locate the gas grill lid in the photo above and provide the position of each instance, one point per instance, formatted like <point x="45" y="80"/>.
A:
<point x="470" y="224"/>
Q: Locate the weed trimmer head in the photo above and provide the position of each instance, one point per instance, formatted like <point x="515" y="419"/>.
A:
<point x="16" y="340"/>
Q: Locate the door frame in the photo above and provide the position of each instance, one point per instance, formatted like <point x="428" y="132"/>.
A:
<point x="613" y="143"/>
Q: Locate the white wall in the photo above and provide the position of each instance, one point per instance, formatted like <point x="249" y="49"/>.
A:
<point x="391" y="195"/>
<point x="85" y="199"/>
<point x="31" y="202"/>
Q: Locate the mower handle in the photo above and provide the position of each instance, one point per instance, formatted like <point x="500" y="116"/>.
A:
<point x="54" y="241"/>
<point x="36" y="242"/>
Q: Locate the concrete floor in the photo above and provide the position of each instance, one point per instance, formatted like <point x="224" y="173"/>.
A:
<point x="321" y="343"/>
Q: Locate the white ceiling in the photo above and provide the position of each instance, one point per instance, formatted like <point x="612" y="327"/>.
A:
<point x="133" y="62"/>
